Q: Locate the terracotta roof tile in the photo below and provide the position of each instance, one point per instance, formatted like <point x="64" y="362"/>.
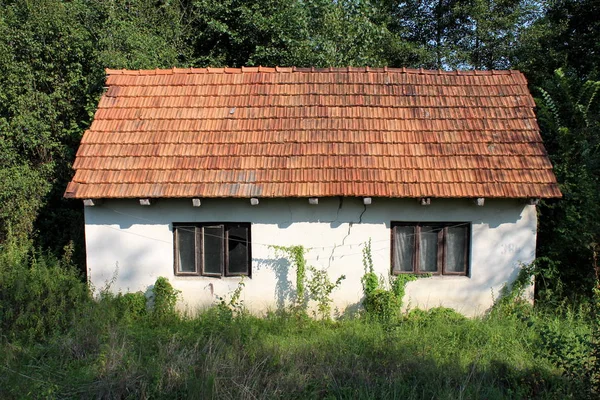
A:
<point x="299" y="132"/>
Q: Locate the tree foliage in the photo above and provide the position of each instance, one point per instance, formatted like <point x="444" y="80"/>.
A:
<point x="452" y="34"/>
<point x="569" y="115"/>
<point x="53" y="54"/>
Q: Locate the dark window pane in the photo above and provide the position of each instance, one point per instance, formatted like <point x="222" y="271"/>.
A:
<point x="238" y="250"/>
<point x="428" y="250"/>
<point x="456" y="256"/>
<point x="404" y="248"/>
<point x="186" y="249"/>
<point x="213" y="249"/>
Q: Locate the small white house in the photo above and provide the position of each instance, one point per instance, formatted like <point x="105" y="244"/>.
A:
<point x="196" y="174"/>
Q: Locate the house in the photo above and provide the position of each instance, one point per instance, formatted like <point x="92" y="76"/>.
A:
<point x="195" y="174"/>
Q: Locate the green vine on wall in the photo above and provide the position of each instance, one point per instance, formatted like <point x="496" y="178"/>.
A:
<point x="398" y="284"/>
<point x="369" y="280"/>
<point x="295" y="255"/>
<point x="319" y="285"/>
<point x="235" y="305"/>
<point x="379" y="302"/>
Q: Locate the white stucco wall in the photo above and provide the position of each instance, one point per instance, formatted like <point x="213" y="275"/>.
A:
<point x="135" y="244"/>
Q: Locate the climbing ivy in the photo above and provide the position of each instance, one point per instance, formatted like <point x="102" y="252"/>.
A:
<point x="319" y="284"/>
<point x="320" y="287"/>
<point x="233" y="307"/>
<point x="295" y="255"/>
<point x="369" y="280"/>
<point x="398" y="284"/>
<point x="381" y="303"/>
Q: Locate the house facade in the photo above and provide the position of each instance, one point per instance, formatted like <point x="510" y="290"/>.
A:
<point x="198" y="174"/>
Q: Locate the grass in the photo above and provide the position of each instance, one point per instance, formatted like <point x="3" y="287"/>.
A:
<point x="216" y="355"/>
<point x="55" y="342"/>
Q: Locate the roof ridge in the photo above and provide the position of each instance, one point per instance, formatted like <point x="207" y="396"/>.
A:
<point x="278" y="69"/>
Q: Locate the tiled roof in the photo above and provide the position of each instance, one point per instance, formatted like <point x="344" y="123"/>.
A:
<point x="302" y="132"/>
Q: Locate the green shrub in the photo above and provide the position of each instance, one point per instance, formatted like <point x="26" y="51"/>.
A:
<point x="569" y="347"/>
<point x="164" y="299"/>
<point x="380" y="303"/>
<point x="132" y="304"/>
<point x="512" y="301"/>
<point x="39" y="295"/>
<point x="320" y="288"/>
<point x="443" y="314"/>
<point x="234" y="306"/>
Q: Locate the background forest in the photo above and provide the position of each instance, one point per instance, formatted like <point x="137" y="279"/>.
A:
<point x="58" y="342"/>
<point x="53" y="54"/>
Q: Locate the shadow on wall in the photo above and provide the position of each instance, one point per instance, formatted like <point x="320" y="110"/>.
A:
<point x="282" y="213"/>
<point x="119" y="262"/>
<point x="285" y="292"/>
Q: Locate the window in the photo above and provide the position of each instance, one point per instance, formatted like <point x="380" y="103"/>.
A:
<point x="212" y="249"/>
<point x="430" y="248"/>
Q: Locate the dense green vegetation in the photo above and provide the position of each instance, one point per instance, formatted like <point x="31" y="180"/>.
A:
<point x="56" y="342"/>
<point x="53" y="54"/>
<point x="59" y="343"/>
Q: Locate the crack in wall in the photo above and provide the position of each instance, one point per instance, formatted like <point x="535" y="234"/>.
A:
<point x="347" y="233"/>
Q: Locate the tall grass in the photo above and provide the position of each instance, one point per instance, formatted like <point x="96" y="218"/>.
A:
<point x="431" y="356"/>
<point x="39" y="294"/>
<point x="113" y="348"/>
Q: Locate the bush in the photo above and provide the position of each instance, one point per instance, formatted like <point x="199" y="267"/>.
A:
<point x="132" y="305"/>
<point x="39" y="294"/>
<point x="382" y="304"/>
<point x="568" y="346"/>
<point x="443" y="314"/>
<point x="165" y="299"/>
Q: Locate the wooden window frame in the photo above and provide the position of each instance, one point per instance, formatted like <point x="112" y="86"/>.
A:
<point x="442" y="247"/>
<point x="199" y="249"/>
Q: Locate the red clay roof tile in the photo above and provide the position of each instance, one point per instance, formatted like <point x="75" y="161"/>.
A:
<point x="299" y="132"/>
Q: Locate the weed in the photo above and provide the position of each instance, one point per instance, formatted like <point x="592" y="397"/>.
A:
<point x="39" y="294"/>
<point x="379" y="302"/>
<point x="320" y="288"/>
<point x="113" y="348"/>
<point x="235" y="305"/>
<point x="319" y="284"/>
<point x="164" y="299"/>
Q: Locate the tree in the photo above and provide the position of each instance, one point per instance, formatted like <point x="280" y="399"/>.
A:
<point x="480" y="34"/>
<point x="576" y="35"/>
<point x="52" y="60"/>
<point x="566" y="35"/>
<point x="493" y="30"/>
<point x="43" y="67"/>
<point x="318" y="33"/>
<point x="569" y="115"/>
